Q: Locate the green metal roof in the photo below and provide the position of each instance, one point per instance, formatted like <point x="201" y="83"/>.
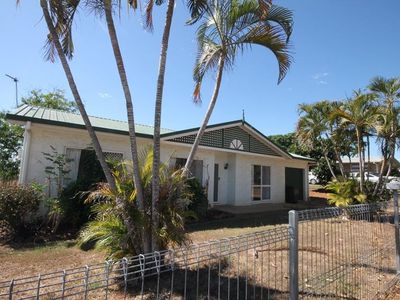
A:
<point x="74" y="120"/>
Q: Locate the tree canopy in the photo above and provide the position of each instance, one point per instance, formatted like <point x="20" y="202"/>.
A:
<point x="55" y="99"/>
<point x="10" y="144"/>
<point x="11" y="135"/>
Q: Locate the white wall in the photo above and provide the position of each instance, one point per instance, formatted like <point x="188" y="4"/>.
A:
<point x="234" y="184"/>
<point x="42" y="136"/>
<point x="278" y="165"/>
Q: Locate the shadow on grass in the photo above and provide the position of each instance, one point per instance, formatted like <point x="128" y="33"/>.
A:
<point x="242" y="221"/>
<point x="204" y="283"/>
<point x="209" y="283"/>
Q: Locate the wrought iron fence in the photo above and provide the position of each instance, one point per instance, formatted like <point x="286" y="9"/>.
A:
<point x="323" y="253"/>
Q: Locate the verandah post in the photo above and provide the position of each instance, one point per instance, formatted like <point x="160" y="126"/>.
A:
<point x="293" y="255"/>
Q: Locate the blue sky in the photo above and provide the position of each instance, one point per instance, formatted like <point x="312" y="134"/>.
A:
<point x="338" y="46"/>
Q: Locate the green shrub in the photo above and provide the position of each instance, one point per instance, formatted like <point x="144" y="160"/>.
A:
<point x="344" y="192"/>
<point x="198" y="198"/>
<point x="18" y="207"/>
<point x="74" y="208"/>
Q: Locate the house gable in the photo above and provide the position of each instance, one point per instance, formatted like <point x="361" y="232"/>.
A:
<point x="236" y="137"/>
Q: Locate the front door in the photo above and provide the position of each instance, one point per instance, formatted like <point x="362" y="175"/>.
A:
<point x="294" y="185"/>
<point x="216" y="181"/>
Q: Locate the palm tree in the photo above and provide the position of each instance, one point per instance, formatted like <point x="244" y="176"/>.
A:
<point x="107" y="229"/>
<point x="312" y="129"/>
<point x="108" y="11"/>
<point x="195" y="8"/>
<point x="360" y="113"/>
<point x="53" y="11"/>
<point x="387" y="92"/>
<point x="228" y="28"/>
<point x="157" y="109"/>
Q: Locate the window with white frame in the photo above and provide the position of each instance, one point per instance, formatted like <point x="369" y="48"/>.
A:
<point x="260" y="183"/>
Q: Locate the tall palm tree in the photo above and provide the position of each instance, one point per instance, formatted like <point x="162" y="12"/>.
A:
<point x="312" y="129"/>
<point x="158" y="108"/>
<point x="108" y="11"/>
<point x="360" y="113"/>
<point x="53" y="11"/>
<point x="195" y="7"/>
<point x="229" y="27"/>
<point x="387" y="91"/>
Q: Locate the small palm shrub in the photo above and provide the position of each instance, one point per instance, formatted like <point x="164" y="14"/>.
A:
<point x="107" y="230"/>
<point x="18" y="208"/>
<point x="344" y="193"/>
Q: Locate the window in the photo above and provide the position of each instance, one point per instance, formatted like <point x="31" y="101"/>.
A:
<point x="85" y="166"/>
<point x="355" y="167"/>
<point x="261" y="183"/>
<point x="196" y="170"/>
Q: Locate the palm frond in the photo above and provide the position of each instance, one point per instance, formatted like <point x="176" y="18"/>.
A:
<point x="272" y="39"/>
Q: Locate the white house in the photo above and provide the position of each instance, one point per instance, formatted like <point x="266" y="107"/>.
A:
<point x="235" y="162"/>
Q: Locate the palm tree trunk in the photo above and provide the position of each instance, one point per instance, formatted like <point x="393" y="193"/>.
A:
<point x="340" y="162"/>
<point x="329" y="165"/>
<point x="96" y="144"/>
<point x="369" y="155"/>
<point x="383" y="166"/>
<point x="76" y="95"/>
<point x="157" y="122"/>
<point x="390" y="159"/>
<point x="360" y="158"/>
<point x="129" y="107"/>
<point x="207" y="116"/>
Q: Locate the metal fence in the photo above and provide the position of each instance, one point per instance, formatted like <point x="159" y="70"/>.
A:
<point x="344" y="253"/>
<point x="327" y="253"/>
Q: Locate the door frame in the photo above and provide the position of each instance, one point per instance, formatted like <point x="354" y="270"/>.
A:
<point x="303" y="187"/>
<point x="216" y="184"/>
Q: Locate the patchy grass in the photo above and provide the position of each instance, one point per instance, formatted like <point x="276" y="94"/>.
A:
<point x="216" y="234"/>
<point x="19" y="261"/>
<point x="323" y="243"/>
<point x="44" y="258"/>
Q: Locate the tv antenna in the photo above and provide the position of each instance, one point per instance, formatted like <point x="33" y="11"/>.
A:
<point x="15" y="79"/>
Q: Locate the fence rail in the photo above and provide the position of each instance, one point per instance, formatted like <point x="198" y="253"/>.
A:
<point x="327" y="253"/>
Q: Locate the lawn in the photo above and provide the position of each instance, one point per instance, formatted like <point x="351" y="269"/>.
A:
<point x="323" y="244"/>
<point x="23" y="261"/>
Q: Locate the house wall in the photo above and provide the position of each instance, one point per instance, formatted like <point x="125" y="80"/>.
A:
<point x="44" y="136"/>
<point x="354" y="167"/>
<point x="235" y="179"/>
<point x="278" y="165"/>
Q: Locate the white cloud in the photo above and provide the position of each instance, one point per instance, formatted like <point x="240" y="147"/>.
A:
<point x="320" y="78"/>
<point x="320" y="75"/>
<point x="104" y="95"/>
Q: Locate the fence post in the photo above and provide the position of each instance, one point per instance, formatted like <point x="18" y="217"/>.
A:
<point x="396" y="228"/>
<point x="395" y="186"/>
<point x="293" y="255"/>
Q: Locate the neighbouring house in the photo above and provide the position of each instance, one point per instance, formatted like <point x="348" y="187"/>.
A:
<point x="236" y="163"/>
<point x="373" y="165"/>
